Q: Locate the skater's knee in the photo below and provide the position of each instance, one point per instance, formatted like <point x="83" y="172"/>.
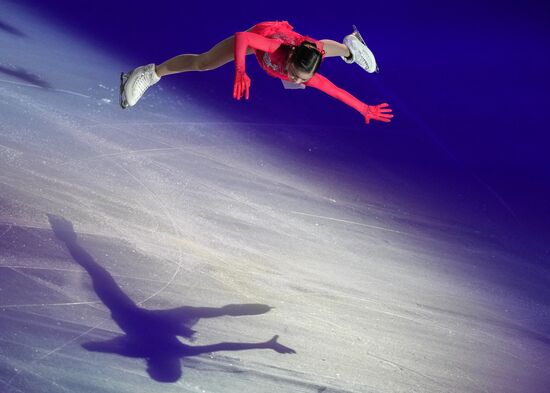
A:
<point x="204" y="62"/>
<point x="219" y="55"/>
<point x="201" y="65"/>
<point x="207" y="61"/>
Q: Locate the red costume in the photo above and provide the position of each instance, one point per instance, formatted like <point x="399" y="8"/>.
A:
<point x="272" y="42"/>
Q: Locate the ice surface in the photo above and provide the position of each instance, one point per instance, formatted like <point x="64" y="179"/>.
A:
<point x="372" y="291"/>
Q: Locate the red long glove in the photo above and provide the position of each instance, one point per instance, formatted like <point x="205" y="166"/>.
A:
<point x="244" y="40"/>
<point x="241" y="85"/>
<point x="380" y="112"/>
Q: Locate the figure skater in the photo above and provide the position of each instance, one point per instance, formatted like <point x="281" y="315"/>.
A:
<point x="281" y="52"/>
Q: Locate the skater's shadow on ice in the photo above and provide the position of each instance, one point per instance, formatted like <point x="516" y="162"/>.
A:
<point x="12" y="30"/>
<point x="152" y="334"/>
<point x="26" y="76"/>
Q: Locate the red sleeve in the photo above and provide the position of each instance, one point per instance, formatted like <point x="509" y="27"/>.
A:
<point x="244" y="39"/>
<point x="318" y="81"/>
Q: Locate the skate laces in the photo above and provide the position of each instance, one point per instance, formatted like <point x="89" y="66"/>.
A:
<point x="358" y="47"/>
<point x="143" y="81"/>
<point x="363" y="59"/>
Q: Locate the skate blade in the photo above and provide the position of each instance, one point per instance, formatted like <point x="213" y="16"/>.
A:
<point x="123" y="79"/>
<point x="357" y="34"/>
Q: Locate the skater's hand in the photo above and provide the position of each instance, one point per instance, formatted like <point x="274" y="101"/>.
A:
<point x="380" y="112"/>
<point x="241" y="85"/>
<point x="278" y="347"/>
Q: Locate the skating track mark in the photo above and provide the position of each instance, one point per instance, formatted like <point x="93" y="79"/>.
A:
<point x="27" y="368"/>
<point x="41" y="282"/>
<point x="70" y="92"/>
<point x="16" y="306"/>
<point x="177" y="231"/>
<point x="127" y="152"/>
<point x="350" y="222"/>
<point x="56" y="269"/>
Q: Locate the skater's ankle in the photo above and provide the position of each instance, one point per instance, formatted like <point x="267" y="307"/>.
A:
<point x="158" y="72"/>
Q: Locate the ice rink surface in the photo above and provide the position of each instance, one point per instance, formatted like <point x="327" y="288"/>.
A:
<point x="120" y="231"/>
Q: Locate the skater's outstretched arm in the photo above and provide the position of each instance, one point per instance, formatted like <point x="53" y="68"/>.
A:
<point x="380" y="112"/>
<point x="243" y="41"/>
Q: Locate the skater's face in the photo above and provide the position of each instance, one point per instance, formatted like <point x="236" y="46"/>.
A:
<point x="298" y="76"/>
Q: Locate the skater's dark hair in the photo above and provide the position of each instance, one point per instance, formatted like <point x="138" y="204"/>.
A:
<point x="306" y="57"/>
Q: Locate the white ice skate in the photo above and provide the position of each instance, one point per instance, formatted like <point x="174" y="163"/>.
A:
<point x="360" y="53"/>
<point x="135" y="83"/>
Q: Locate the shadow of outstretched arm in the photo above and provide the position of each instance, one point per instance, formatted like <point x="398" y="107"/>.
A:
<point x="231" y="346"/>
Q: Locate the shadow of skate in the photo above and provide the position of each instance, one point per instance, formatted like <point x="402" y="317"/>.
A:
<point x="12" y="30"/>
<point x="152" y="334"/>
<point x="26" y="76"/>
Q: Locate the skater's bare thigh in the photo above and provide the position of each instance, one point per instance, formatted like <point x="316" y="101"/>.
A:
<point x="220" y="54"/>
<point x="333" y="48"/>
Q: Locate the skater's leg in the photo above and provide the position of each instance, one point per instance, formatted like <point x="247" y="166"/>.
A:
<point x="222" y="53"/>
<point x="334" y="48"/>
<point x="134" y="84"/>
